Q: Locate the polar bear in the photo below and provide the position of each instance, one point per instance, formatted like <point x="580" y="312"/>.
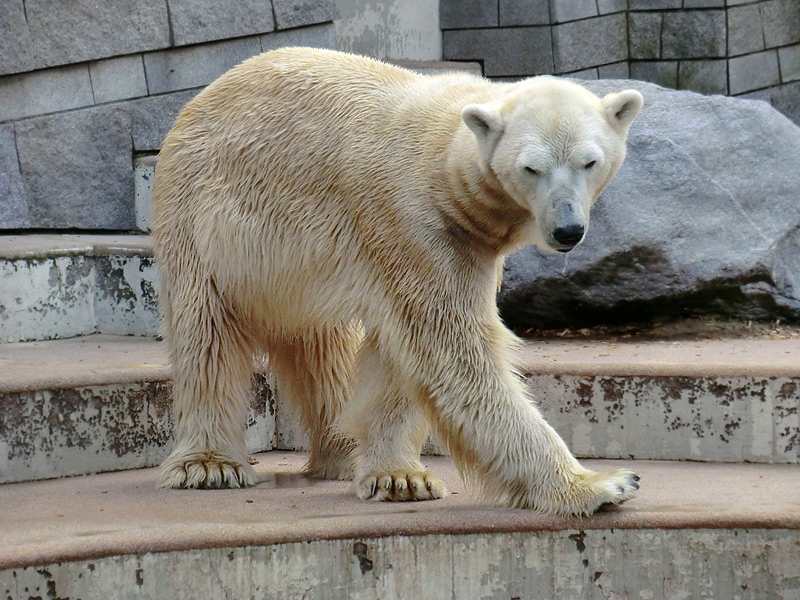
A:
<point x="351" y="218"/>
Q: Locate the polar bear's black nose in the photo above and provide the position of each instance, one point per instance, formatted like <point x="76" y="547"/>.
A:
<point x="569" y="236"/>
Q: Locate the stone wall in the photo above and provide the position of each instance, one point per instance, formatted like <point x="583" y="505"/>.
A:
<point x="88" y="87"/>
<point x="732" y="47"/>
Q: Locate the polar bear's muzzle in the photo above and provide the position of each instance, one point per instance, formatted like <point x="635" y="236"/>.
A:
<point x="568" y="228"/>
<point x="568" y="236"/>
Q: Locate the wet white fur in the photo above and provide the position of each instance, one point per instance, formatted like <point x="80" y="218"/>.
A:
<point x="344" y="216"/>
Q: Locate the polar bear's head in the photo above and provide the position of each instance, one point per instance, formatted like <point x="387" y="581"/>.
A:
<point x="553" y="146"/>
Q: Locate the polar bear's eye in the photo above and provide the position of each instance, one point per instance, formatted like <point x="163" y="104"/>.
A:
<point x="590" y="164"/>
<point x="532" y="171"/>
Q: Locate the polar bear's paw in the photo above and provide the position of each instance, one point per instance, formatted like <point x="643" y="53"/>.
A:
<point x="594" y="490"/>
<point x="205" y="470"/>
<point x="400" y="486"/>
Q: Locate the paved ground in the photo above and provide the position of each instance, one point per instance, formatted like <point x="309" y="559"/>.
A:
<point x="124" y="513"/>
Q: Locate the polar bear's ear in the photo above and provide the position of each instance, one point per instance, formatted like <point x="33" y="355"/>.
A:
<point x="621" y="108"/>
<point x="485" y="122"/>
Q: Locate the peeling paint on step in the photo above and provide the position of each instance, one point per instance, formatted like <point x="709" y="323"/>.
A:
<point x="726" y="419"/>
<point x="54" y="433"/>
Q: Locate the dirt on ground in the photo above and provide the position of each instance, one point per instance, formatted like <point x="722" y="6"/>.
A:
<point x="698" y="328"/>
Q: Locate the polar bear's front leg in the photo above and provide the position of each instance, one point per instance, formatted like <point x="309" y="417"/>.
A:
<point x="390" y="430"/>
<point x="481" y="410"/>
<point x="519" y="458"/>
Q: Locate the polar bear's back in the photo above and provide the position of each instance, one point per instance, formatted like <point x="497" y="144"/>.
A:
<point x="306" y="123"/>
<point x="303" y="90"/>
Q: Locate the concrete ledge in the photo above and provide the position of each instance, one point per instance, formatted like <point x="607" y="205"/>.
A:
<point x="55" y="286"/>
<point x="119" y="514"/>
<point x="599" y="564"/>
<point x="93" y="404"/>
<point x="50" y="245"/>
<point x="101" y="402"/>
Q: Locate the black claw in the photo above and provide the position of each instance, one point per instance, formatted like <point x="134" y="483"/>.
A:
<point x="635" y="486"/>
<point x="620" y="489"/>
<point x="635" y="477"/>
<point x="374" y="488"/>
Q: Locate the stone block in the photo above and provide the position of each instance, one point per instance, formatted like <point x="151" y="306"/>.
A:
<point x="571" y="10"/>
<point x="524" y="12"/>
<point x="151" y="118"/>
<point x="762" y="95"/>
<point x="663" y="73"/>
<point x="516" y="51"/>
<point x="786" y="98"/>
<point x="781" y="20"/>
<point x="703" y="3"/>
<point x="197" y="21"/>
<point x="14" y="36"/>
<point x="703" y="76"/>
<point x="753" y="71"/>
<point x="456" y="14"/>
<point x="78" y="170"/>
<point x="611" y="6"/>
<point x="296" y="13"/>
<point x="316" y="36"/>
<point x="789" y="59"/>
<point x="584" y="74"/>
<point x="744" y="30"/>
<point x="644" y="33"/>
<point x="13" y="197"/>
<point x="738" y="2"/>
<point x="618" y="70"/>
<point x="41" y="92"/>
<point x="693" y="34"/>
<point x="588" y="43"/>
<point x="195" y="66"/>
<point x="118" y="78"/>
<point x="654" y="4"/>
<point x="35" y="34"/>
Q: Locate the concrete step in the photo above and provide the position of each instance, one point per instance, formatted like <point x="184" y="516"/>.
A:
<point x="95" y="403"/>
<point x="715" y="531"/>
<point x="59" y="286"/>
<point x="101" y="403"/>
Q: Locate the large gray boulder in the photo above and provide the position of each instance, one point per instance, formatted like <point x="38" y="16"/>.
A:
<point x="703" y="218"/>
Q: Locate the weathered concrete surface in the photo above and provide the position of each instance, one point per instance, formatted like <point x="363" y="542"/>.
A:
<point x="99" y="403"/>
<point x="144" y="172"/>
<point x="399" y="29"/>
<point x="694" y="531"/>
<point x="54" y="287"/>
<point x="694" y="399"/>
<point x="658" y="565"/>
<point x="702" y="218"/>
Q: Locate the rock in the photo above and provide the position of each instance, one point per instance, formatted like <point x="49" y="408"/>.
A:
<point x="703" y="218"/>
